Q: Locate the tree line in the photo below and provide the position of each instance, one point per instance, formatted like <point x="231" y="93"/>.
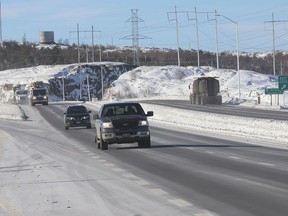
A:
<point x="14" y="55"/>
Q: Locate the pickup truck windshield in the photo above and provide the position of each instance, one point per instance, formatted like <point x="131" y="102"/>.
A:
<point x="130" y="109"/>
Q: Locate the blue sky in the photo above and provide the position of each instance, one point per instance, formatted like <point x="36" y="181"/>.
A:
<point x="30" y="17"/>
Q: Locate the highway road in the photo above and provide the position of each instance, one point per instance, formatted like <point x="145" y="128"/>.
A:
<point x="219" y="175"/>
<point x="226" y="109"/>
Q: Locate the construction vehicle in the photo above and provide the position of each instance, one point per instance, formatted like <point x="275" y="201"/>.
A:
<point x="38" y="93"/>
<point x="20" y="95"/>
<point x="205" y="90"/>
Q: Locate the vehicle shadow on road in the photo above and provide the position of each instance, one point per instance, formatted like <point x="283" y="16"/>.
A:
<point x="159" y="146"/>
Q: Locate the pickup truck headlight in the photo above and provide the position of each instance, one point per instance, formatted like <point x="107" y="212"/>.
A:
<point x="45" y="97"/>
<point x="70" y="118"/>
<point x="107" y="125"/>
<point x="143" y="123"/>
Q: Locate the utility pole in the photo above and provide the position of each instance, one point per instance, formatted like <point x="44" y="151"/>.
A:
<point x="237" y="48"/>
<point x="273" y="21"/>
<point x="177" y="31"/>
<point x="1" y="40"/>
<point x="87" y="59"/>
<point x="216" y="26"/>
<point x="197" y="35"/>
<point x="135" y="36"/>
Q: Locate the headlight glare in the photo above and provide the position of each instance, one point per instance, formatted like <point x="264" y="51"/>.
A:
<point x="143" y="123"/>
<point x="107" y="125"/>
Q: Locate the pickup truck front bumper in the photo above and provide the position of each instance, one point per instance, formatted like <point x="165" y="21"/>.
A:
<point x="125" y="136"/>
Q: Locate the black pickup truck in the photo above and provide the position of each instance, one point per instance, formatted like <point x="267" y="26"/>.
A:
<point x="122" y="122"/>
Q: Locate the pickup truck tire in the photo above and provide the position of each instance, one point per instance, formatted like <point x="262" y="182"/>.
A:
<point x="145" y="143"/>
<point x="66" y="128"/>
<point x="103" y="145"/>
<point x="88" y="126"/>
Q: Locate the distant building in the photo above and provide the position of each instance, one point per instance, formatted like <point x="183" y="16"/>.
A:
<point x="47" y="37"/>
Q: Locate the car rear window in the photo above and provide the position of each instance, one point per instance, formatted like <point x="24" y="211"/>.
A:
<point x="77" y="109"/>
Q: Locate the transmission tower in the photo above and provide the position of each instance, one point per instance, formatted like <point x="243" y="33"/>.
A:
<point x="135" y="36"/>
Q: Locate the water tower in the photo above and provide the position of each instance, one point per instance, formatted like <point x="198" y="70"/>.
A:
<point x="47" y="37"/>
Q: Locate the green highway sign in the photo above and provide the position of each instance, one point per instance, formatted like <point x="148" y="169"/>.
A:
<point x="283" y="79"/>
<point x="273" y="91"/>
<point x="283" y="83"/>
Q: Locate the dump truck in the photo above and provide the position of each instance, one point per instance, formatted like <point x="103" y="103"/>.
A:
<point x="38" y="93"/>
<point x="205" y="90"/>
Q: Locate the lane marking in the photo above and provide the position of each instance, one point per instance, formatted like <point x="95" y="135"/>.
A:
<point x="119" y="170"/>
<point x="142" y="182"/>
<point x="91" y="154"/>
<point x="266" y="164"/>
<point x="109" y="164"/>
<point x="204" y="214"/>
<point x="180" y="202"/>
<point x="234" y="157"/>
<point x="158" y="191"/>
<point x="129" y="175"/>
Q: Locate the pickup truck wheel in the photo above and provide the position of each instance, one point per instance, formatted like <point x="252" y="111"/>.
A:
<point x="146" y="143"/>
<point x="66" y="128"/>
<point x="103" y="145"/>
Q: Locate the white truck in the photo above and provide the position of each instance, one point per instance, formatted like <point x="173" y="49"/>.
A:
<point x="38" y="93"/>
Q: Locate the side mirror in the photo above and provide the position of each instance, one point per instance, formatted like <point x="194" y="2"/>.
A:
<point x="150" y="113"/>
<point x="89" y="111"/>
<point x="65" y="113"/>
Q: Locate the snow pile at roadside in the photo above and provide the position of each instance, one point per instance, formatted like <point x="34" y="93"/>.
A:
<point x="244" y="127"/>
<point x="11" y="111"/>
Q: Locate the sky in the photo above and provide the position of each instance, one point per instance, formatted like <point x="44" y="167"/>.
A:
<point x="110" y="21"/>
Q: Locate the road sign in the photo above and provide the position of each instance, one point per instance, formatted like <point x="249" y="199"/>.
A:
<point x="273" y="91"/>
<point x="283" y="83"/>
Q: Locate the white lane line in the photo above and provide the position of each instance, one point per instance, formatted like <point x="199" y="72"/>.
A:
<point x="266" y="164"/>
<point x="110" y="164"/>
<point x="180" y="202"/>
<point x="129" y="175"/>
<point x="210" y="152"/>
<point x="82" y="149"/>
<point x="91" y="154"/>
<point x="234" y="157"/>
<point x="95" y="157"/>
<point x="204" y="214"/>
<point x="119" y="170"/>
<point x="86" y="151"/>
<point x="158" y="191"/>
<point x="102" y="161"/>
<point x="142" y="182"/>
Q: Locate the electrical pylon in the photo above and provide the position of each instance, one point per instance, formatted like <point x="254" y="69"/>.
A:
<point x="135" y="36"/>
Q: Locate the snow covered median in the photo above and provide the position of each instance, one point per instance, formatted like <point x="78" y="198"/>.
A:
<point x="11" y="111"/>
<point x="272" y="131"/>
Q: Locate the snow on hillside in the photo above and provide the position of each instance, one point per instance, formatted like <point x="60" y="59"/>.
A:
<point x="174" y="81"/>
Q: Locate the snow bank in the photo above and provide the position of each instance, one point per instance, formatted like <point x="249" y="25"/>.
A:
<point x="11" y="111"/>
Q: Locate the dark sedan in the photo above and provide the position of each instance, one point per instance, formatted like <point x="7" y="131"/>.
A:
<point x="77" y="116"/>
